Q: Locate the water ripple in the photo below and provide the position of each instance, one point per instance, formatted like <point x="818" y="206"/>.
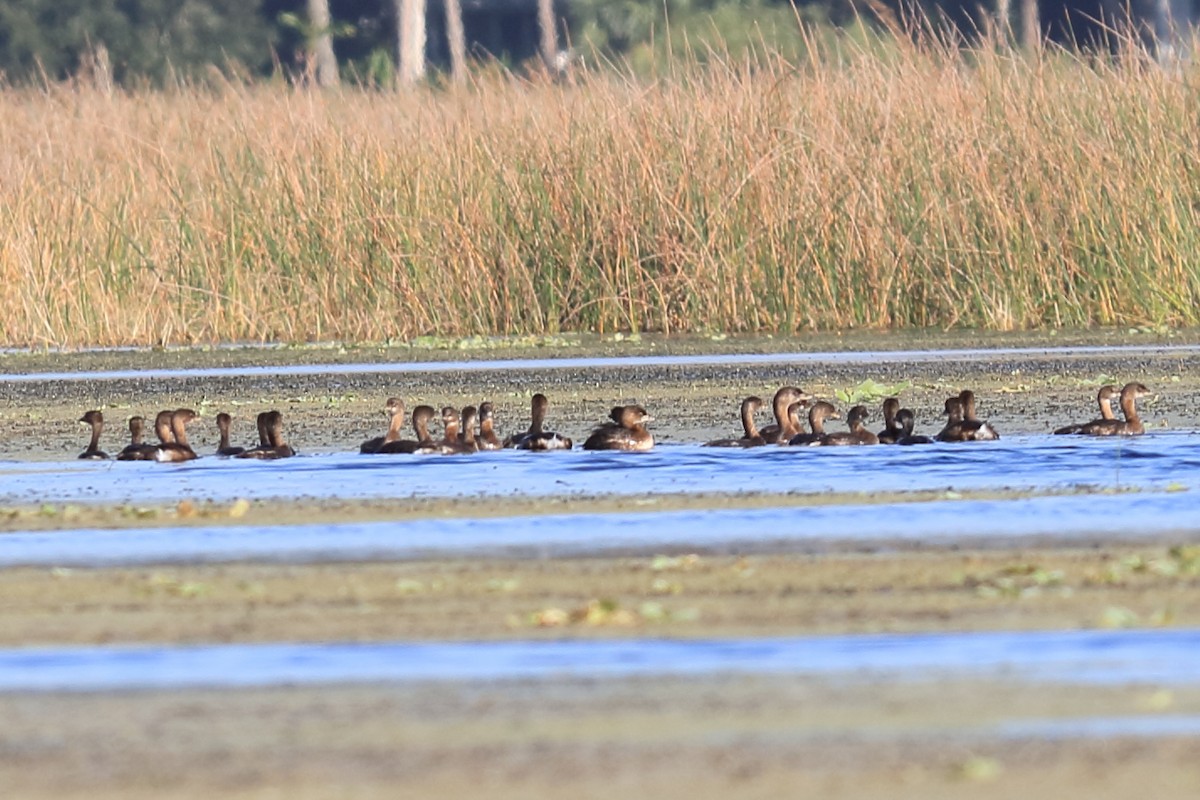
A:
<point x="1072" y="657"/>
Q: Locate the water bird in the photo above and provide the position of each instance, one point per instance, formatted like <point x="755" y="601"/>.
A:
<point x="750" y="436"/>
<point x="162" y="427"/>
<point x="1104" y="401"/>
<point x="224" y="448"/>
<point x="487" y="438"/>
<point x="907" y="421"/>
<point x="1131" y="425"/>
<point x="891" y="430"/>
<point x="858" y="434"/>
<point x="137" y="450"/>
<point x="93" y="451"/>
<point x="784" y="427"/>
<point x="270" y="427"/>
<point x="178" y="448"/>
<point x="424" y="443"/>
<point x="468" y="438"/>
<point x="451" y="444"/>
<point x="627" y="431"/>
<point x="962" y="424"/>
<point x="536" y="438"/>
<point x="395" y="412"/>
<point x="818" y="412"/>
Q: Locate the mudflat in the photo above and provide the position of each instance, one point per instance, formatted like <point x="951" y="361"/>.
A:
<point x="708" y="736"/>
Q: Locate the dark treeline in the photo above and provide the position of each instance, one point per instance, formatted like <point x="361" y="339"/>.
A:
<point x="157" y="41"/>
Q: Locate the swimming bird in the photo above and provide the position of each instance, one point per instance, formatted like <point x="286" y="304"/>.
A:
<point x="277" y="447"/>
<point x="784" y="428"/>
<point x="178" y="448"/>
<point x="750" y="436"/>
<point x="818" y="412"/>
<point x="627" y="431"/>
<point x="223" y="447"/>
<point x="421" y="416"/>
<point x="487" y="438"/>
<point x="1131" y="425"/>
<point x="1104" y="401"/>
<point x="137" y="450"/>
<point x="891" y="430"/>
<point x="395" y="413"/>
<point x="907" y="421"/>
<point x="536" y="438"/>
<point x="858" y="434"/>
<point x="962" y="425"/>
<point x="93" y="451"/>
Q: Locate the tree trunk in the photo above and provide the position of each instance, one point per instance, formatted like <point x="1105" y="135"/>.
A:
<point x="412" y="41"/>
<point x="1003" y="23"/>
<point x="456" y="39"/>
<point x="1031" y="26"/>
<point x="547" y="28"/>
<point x="324" y="62"/>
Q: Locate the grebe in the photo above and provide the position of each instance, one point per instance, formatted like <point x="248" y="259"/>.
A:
<point x="1104" y="400"/>
<point x="137" y="450"/>
<point x="1131" y="425"/>
<point x="223" y="447"/>
<point x="178" y="449"/>
<point x="627" y="431"/>
<point x="750" y="436"/>
<point x="782" y="431"/>
<point x="536" y="438"/>
<point x="891" y="431"/>
<point x="421" y="416"/>
<point x="817" y="414"/>
<point x="395" y="412"/>
<point x="93" y="451"/>
<point x="277" y="447"/>
<point x="961" y="424"/>
<point x="857" y="435"/>
<point x="487" y="438"/>
<point x="907" y="420"/>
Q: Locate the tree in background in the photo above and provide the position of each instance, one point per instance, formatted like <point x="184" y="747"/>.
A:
<point x="456" y="40"/>
<point x="548" y="33"/>
<point x="323" y="66"/>
<point x="155" y="41"/>
<point x="412" y="41"/>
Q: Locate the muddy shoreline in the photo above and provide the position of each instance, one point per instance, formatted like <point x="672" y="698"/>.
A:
<point x="716" y="736"/>
<point x="1026" y="393"/>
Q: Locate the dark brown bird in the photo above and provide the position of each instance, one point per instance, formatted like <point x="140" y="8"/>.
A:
<point x="93" y="451"/>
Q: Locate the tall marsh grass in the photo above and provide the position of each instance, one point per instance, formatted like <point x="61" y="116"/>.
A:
<point x="889" y="188"/>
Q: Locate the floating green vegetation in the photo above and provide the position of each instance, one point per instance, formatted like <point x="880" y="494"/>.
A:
<point x="870" y="391"/>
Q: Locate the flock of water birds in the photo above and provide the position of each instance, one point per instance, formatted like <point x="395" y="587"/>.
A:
<point x="474" y="429"/>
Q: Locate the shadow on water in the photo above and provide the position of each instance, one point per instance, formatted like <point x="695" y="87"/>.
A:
<point x="1074" y="657"/>
<point x="1034" y="463"/>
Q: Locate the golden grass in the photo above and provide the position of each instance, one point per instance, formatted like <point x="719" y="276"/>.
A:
<point x="891" y="188"/>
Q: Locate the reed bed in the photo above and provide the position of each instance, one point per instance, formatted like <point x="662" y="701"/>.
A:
<point x="885" y="188"/>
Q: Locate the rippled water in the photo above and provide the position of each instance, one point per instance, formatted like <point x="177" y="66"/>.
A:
<point x="963" y="523"/>
<point x="1076" y="657"/>
<point x="1037" y="463"/>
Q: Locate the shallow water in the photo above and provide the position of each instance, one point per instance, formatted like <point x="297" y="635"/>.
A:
<point x="609" y="362"/>
<point x="964" y="523"/>
<point x="1159" y="657"/>
<point x="1033" y="463"/>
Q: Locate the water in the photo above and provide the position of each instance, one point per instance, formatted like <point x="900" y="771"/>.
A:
<point x="1042" y="463"/>
<point x="610" y="362"/>
<point x="966" y="523"/>
<point x="1086" y="658"/>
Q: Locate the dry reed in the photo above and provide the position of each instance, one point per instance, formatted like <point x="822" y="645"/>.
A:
<point x="893" y="188"/>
